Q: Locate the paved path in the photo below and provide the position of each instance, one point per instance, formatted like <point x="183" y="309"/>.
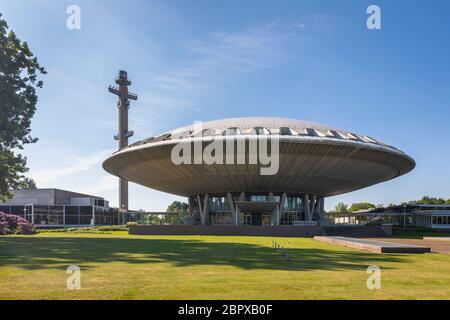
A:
<point x="374" y="245"/>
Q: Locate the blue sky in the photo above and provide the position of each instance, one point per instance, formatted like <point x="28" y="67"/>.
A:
<point x="205" y="60"/>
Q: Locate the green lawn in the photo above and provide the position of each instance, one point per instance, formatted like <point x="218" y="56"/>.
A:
<point x="119" y="266"/>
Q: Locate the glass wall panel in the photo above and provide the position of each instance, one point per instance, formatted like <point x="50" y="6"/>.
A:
<point x="17" y="210"/>
<point x="288" y="218"/>
<point x="5" y="209"/>
<point x="246" y="219"/>
<point x="85" y="214"/>
<point x="48" y="215"/>
<point x="220" y="218"/>
<point x="257" y="197"/>
<point x="106" y="216"/>
<point x="72" y="215"/>
<point x="28" y="212"/>
<point x="293" y="203"/>
<point x="218" y="204"/>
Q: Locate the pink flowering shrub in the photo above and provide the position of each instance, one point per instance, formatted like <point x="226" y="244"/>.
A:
<point x="12" y="224"/>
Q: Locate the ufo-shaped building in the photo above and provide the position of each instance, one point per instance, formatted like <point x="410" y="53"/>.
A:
<point x="314" y="161"/>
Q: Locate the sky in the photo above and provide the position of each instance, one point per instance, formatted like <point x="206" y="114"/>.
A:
<point x="202" y="60"/>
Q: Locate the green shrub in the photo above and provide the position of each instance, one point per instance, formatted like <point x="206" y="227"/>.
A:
<point x="112" y="228"/>
<point x="130" y="224"/>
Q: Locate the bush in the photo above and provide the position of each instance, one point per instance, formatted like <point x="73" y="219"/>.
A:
<point x="12" y="224"/>
<point x="112" y="228"/>
<point x="4" y="229"/>
<point x="130" y="224"/>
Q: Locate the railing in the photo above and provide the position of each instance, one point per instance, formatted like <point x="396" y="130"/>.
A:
<point x="305" y="223"/>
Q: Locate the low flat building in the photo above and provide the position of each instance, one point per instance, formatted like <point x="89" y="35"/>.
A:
<point x="436" y="216"/>
<point x="60" y="208"/>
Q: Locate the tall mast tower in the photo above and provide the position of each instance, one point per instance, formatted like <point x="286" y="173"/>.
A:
<point x="123" y="104"/>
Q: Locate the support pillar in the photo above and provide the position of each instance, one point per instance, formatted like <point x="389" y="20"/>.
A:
<point x="281" y="207"/>
<point x="232" y="208"/>
<point x="191" y="207"/>
<point x="205" y="212"/>
<point x="306" y="207"/>
<point x="322" y="208"/>
<point x="313" y="205"/>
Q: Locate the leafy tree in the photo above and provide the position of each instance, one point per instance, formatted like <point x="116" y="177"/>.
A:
<point x="178" y="206"/>
<point x="19" y="71"/>
<point x="355" y="207"/>
<point x="27" y="184"/>
<point x="341" y="207"/>
<point x="429" y="200"/>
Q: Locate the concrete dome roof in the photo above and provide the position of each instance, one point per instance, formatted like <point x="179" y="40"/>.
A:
<point x="314" y="158"/>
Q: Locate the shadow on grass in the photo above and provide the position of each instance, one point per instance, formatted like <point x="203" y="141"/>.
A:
<point x="38" y="253"/>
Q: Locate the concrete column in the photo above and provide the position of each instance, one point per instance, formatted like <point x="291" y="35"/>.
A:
<point x="322" y="208"/>
<point x="200" y="207"/>
<point x="313" y="206"/>
<point x="205" y="213"/>
<point x="277" y="217"/>
<point x="306" y="207"/>
<point x="238" y="211"/>
<point x="232" y="208"/>
<point x="191" y="207"/>
<point x="281" y="207"/>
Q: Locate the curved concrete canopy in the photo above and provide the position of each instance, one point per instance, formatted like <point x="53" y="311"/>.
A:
<point x="313" y="158"/>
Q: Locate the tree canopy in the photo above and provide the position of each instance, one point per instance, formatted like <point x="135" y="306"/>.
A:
<point x="430" y="200"/>
<point x="341" y="207"/>
<point x="19" y="71"/>
<point x="178" y="206"/>
<point x="355" y="207"/>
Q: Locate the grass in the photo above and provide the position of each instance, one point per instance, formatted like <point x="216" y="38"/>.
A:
<point x="116" y="265"/>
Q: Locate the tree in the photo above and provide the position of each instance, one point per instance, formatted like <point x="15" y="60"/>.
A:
<point x="178" y="206"/>
<point x="429" y="200"/>
<point x="341" y="207"/>
<point x="27" y="184"/>
<point x="19" y="71"/>
<point x="355" y="207"/>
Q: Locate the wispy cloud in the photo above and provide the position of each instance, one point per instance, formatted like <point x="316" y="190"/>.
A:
<point x="217" y="59"/>
<point x="104" y="183"/>
<point x="318" y="23"/>
<point x="76" y="165"/>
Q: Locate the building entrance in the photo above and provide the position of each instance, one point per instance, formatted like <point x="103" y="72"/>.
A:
<point x="256" y="219"/>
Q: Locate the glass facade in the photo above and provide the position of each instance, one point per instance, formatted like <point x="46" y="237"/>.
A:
<point x="220" y="218"/>
<point x="218" y="204"/>
<point x="42" y="215"/>
<point x="257" y="208"/>
<point x="48" y="215"/>
<point x="441" y="220"/>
